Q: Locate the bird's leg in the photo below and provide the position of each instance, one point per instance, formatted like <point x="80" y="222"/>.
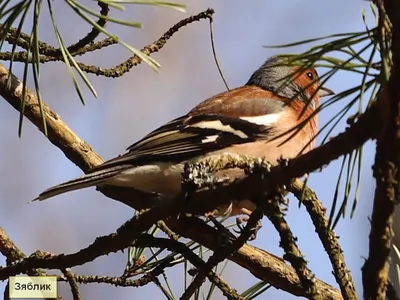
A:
<point x="243" y="219"/>
<point x="224" y="235"/>
<point x="247" y="214"/>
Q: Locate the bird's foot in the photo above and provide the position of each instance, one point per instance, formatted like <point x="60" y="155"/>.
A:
<point x="245" y="219"/>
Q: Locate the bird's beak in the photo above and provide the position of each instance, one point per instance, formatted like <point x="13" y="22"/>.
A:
<point x="323" y="91"/>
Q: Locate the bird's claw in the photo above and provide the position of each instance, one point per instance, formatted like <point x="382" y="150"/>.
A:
<point x="239" y="223"/>
<point x="224" y="235"/>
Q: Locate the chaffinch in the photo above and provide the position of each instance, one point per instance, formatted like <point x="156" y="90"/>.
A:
<point x="240" y="121"/>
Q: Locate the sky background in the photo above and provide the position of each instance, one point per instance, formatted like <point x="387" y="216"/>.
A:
<point x="131" y="106"/>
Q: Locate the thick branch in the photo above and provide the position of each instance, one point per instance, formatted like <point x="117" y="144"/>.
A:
<point x="8" y="248"/>
<point x="386" y="167"/>
<point x="13" y="253"/>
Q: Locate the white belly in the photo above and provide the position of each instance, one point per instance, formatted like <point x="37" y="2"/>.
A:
<point x="153" y="178"/>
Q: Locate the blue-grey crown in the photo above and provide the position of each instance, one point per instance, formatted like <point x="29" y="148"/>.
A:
<point x="274" y="76"/>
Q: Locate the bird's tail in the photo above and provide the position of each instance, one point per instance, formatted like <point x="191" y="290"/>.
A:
<point x="88" y="180"/>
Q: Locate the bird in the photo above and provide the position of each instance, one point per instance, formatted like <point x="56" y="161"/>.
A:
<point x="248" y="120"/>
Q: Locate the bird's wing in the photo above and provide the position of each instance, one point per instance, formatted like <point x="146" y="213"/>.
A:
<point x="188" y="137"/>
<point x="199" y="133"/>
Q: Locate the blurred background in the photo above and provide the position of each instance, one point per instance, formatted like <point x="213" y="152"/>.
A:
<point x="129" y="107"/>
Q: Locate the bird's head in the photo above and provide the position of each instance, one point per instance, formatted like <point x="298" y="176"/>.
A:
<point x="285" y="81"/>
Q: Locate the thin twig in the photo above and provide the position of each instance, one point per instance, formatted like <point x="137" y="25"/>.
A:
<point x="48" y="52"/>
<point x="223" y="253"/>
<point x="215" y="56"/>
<point x="147" y="240"/>
<point x="121" y="68"/>
<point x="72" y="283"/>
<point x="172" y="235"/>
<point x="21" y="39"/>
<point x="124" y="67"/>
<point x="330" y="242"/>
<point x="91" y="36"/>
<point x="22" y="56"/>
<point x="117" y="281"/>
<point x="292" y="253"/>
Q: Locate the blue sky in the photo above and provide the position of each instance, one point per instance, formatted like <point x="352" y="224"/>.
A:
<point x="129" y="107"/>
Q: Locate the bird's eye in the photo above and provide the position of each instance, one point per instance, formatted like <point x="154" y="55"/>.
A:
<point x="310" y="75"/>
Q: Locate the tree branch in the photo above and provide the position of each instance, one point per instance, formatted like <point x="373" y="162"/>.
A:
<point x="147" y="240"/>
<point x="386" y="168"/>
<point x="72" y="283"/>
<point x="328" y="239"/>
<point x="15" y="37"/>
<point x="12" y="254"/>
<point x="260" y="263"/>
<point x="49" y="53"/>
<point x="224" y="252"/>
<point x="293" y="254"/>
